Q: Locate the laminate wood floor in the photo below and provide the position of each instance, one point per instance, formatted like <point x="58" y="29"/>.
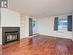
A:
<point x="39" y="45"/>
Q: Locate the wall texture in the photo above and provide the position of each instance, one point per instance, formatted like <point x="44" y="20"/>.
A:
<point x="46" y="27"/>
<point x="24" y="26"/>
<point x="9" y="18"/>
<point x="0" y="35"/>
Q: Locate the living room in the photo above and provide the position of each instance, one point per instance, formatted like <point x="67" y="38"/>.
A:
<point x="36" y="27"/>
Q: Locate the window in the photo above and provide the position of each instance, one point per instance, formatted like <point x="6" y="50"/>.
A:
<point x="62" y="24"/>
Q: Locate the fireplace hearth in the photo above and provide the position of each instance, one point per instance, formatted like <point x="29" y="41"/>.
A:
<point x="10" y="34"/>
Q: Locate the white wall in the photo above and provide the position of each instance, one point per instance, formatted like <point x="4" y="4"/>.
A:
<point x="0" y="35"/>
<point x="72" y="25"/>
<point x="9" y="18"/>
<point x="43" y="25"/>
<point x="0" y="30"/>
<point x="46" y="27"/>
<point x="24" y="30"/>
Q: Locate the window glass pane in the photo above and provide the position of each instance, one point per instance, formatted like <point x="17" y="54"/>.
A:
<point x="62" y="24"/>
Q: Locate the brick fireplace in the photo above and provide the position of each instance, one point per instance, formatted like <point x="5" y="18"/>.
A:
<point x="10" y="34"/>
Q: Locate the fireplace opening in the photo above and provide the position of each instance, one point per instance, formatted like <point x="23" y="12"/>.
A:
<point x="11" y="36"/>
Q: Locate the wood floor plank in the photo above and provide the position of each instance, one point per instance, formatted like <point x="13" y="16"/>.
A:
<point x="39" y="45"/>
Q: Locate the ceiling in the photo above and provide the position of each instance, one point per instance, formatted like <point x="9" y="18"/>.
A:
<point x="41" y="7"/>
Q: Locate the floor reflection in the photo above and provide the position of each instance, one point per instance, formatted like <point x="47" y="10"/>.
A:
<point x="39" y="45"/>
